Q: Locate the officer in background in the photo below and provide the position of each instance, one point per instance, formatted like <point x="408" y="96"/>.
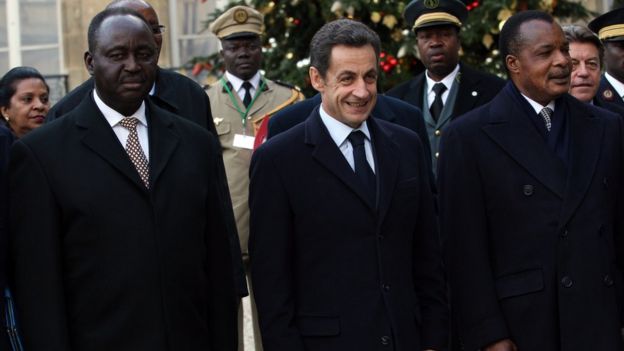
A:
<point x="610" y="29"/>
<point x="240" y="100"/>
<point x="447" y="88"/>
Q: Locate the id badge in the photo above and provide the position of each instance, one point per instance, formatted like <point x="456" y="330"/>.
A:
<point x="244" y="141"/>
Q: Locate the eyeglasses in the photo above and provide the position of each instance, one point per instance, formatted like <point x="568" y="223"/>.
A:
<point x="160" y="29"/>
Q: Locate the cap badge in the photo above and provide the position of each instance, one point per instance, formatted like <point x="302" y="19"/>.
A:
<point x="431" y="4"/>
<point x="607" y="94"/>
<point x="240" y="16"/>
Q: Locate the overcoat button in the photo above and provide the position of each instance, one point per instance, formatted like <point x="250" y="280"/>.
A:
<point x="608" y="281"/>
<point x="527" y="189"/>
<point x="385" y="340"/>
<point x="566" y="282"/>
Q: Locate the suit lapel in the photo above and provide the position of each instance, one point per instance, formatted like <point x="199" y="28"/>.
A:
<point x="387" y="166"/>
<point x="162" y="139"/>
<point x="329" y="156"/>
<point x="586" y="131"/>
<point x="165" y="93"/>
<point x="99" y="137"/>
<point x="467" y="94"/>
<point x="514" y="132"/>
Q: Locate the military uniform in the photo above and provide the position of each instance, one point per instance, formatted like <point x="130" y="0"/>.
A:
<point x="237" y="123"/>
<point x="272" y="97"/>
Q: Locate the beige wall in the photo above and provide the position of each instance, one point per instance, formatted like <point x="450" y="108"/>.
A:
<point x="75" y="17"/>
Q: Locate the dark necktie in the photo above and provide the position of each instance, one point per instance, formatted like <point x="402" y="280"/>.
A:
<point x="436" y="107"/>
<point x="362" y="169"/>
<point x="546" y="114"/>
<point x="134" y="150"/>
<point x="247" y="98"/>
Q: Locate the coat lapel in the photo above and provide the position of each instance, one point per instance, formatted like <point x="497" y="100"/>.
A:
<point x="467" y="94"/>
<point x="514" y="132"/>
<point x="586" y="131"/>
<point x="414" y="94"/>
<point x="162" y="139"/>
<point x="100" y="138"/>
<point x="387" y="166"/>
<point x="165" y="95"/>
<point x="329" y="156"/>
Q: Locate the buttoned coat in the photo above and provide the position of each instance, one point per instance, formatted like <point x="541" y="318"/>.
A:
<point x="228" y="123"/>
<point x="332" y="271"/>
<point x="102" y="263"/>
<point x="534" y="248"/>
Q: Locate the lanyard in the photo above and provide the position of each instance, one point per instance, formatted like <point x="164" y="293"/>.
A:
<point x="235" y="102"/>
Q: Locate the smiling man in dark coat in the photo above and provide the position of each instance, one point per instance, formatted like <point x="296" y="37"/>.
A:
<point x="530" y="202"/>
<point x="344" y="247"/>
<point x="117" y="224"/>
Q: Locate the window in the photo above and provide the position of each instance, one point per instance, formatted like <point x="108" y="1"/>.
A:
<point x="188" y="39"/>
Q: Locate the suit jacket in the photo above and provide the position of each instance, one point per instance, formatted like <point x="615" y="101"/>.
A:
<point x="182" y="96"/>
<point x="175" y="93"/>
<point x="6" y="139"/>
<point x="102" y="263"/>
<point x="607" y="97"/>
<point x="535" y="247"/>
<point x="332" y="271"/>
<point x="387" y="108"/>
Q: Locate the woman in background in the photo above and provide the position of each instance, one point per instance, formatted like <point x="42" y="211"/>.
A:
<point x="23" y="100"/>
<point x="23" y="106"/>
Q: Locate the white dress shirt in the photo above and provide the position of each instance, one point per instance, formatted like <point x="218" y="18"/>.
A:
<point x="537" y="106"/>
<point x="113" y="118"/>
<point x="339" y="133"/>
<point x="237" y="84"/>
<point x="448" y="83"/>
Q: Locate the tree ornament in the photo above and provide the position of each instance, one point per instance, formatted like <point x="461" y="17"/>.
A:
<point x="487" y="40"/>
<point x="375" y="17"/>
<point x="336" y="8"/>
<point x="390" y="21"/>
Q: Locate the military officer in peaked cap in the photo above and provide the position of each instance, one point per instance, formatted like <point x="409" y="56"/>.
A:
<point x="240" y="100"/>
<point x="610" y="29"/>
<point x="447" y="88"/>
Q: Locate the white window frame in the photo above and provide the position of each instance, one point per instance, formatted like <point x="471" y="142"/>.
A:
<point x="15" y="46"/>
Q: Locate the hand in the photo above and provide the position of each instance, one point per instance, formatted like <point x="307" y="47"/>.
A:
<point x="502" y="345"/>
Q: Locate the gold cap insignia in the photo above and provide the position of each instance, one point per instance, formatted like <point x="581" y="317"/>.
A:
<point x="240" y="16"/>
<point x="431" y="4"/>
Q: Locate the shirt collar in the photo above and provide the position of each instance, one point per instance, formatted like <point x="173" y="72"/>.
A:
<point x="340" y="131"/>
<point x="447" y="81"/>
<point x="617" y="85"/>
<point x="113" y="117"/>
<point x="537" y="106"/>
<point x="237" y="83"/>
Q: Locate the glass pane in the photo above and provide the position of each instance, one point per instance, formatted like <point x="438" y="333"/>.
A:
<point x="190" y="48"/>
<point x="3" y="25"/>
<point x="58" y="87"/>
<point x="4" y="62"/>
<point x="46" y="60"/>
<point x="38" y="22"/>
<point x="192" y="15"/>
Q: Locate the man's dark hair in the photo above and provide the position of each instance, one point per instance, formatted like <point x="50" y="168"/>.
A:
<point x="96" y="22"/>
<point x="8" y="83"/>
<point x="510" y="41"/>
<point x="580" y="34"/>
<point x="340" y="32"/>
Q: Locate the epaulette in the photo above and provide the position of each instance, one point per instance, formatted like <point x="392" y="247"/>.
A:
<point x="284" y="84"/>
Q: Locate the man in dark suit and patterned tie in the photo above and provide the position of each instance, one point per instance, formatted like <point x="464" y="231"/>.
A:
<point x="343" y="244"/>
<point x="119" y="240"/>
<point x="531" y="191"/>
<point x="447" y="88"/>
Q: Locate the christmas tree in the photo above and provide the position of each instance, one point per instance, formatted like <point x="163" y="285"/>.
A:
<point x="291" y="24"/>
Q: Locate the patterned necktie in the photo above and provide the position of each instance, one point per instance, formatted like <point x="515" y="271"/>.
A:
<point x="438" y="105"/>
<point x="134" y="150"/>
<point x="247" y="98"/>
<point x="362" y="169"/>
<point x="546" y="114"/>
